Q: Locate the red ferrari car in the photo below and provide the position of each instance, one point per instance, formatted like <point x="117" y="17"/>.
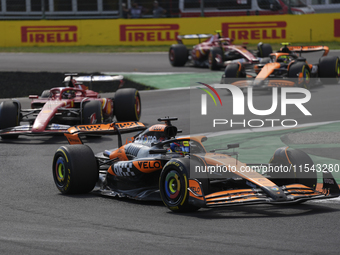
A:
<point x="215" y="52"/>
<point x="59" y="108"/>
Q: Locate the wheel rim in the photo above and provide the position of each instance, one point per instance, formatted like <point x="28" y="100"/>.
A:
<point x="60" y="171"/>
<point x="307" y="78"/>
<point x="337" y="69"/>
<point x="172" y="187"/>
<point x="306" y="75"/>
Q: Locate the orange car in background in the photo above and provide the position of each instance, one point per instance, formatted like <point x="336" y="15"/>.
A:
<point x="214" y="52"/>
<point x="288" y="65"/>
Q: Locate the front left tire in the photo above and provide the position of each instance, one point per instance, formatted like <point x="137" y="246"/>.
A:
<point x="75" y="169"/>
<point x="173" y="186"/>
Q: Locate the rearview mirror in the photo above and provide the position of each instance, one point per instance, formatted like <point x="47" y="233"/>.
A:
<point x="233" y="145"/>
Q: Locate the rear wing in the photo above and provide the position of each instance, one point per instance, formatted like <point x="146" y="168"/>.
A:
<point x="193" y="36"/>
<point x="307" y="49"/>
<point x="115" y="128"/>
<point x="93" y="78"/>
<point x="71" y="79"/>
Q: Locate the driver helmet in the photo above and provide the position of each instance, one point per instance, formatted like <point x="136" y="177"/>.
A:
<point x="283" y="59"/>
<point x="182" y="147"/>
<point x="68" y="94"/>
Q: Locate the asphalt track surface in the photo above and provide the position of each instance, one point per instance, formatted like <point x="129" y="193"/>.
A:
<point x="37" y="219"/>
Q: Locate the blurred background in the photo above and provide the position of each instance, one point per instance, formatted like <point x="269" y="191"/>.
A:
<point x="107" y="9"/>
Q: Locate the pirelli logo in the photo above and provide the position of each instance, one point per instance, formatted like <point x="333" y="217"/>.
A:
<point x="149" y="33"/>
<point x="49" y="34"/>
<point x="255" y="30"/>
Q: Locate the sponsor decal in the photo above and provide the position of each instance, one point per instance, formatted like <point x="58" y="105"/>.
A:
<point x="255" y="30"/>
<point x="49" y="34"/>
<point x="157" y="128"/>
<point x="127" y="125"/>
<point x="146" y="139"/>
<point x="148" y="32"/>
<point x="328" y="181"/>
<point x="89" y="128"/>
<point x="123" y="169"/>
<point x="93" y="118"/>
<point x="148" y="166"/>
<point x="197" y="190"/>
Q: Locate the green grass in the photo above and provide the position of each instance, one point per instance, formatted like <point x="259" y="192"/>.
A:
<point x="159" y="48"/>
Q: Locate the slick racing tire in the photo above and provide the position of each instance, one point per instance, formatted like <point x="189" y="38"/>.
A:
<point x="75" y="169"/>
<point x="264" y="50"/>
<point x="215" y="53"/>
<point x="329" y="70"/>
<point x="299" y="73"/>
<point x="300" y="166"/>
<point x="127" y="105"/>
<point x="9" y="117"/>
<point x="45" y="94"/>
<point x="233" y="72"/>
<point x="173" y="186"/>
<point x="178" y="55"/>
<point x="92" y="112"/>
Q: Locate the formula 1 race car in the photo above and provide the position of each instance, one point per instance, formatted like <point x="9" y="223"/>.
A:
<point x="214" y="52"/>
<point x="288" y="65"/>
<point x="156" y="165"/>
<point x="59" y="108"/>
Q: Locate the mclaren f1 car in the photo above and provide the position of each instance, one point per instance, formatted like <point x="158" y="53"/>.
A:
<point x="215" y="52"/>
<point x="286" y="68"/>
<point x="59" y="108"/>
<point x="157" y="165"/>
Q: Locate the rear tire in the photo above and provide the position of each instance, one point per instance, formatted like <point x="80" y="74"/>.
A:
<point x="264" y="50"/>
<point x="173" y="186"/>
<point x="294" y="71"/>
<point x="75" y="169"/>
<point x="178" y="55"/>
<point x="215" y="52"/>
<point x="92" y="112"/>
<point x="9" y="117"/>
<point x="127" y="105"/>
<point x="329" y="69"/>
